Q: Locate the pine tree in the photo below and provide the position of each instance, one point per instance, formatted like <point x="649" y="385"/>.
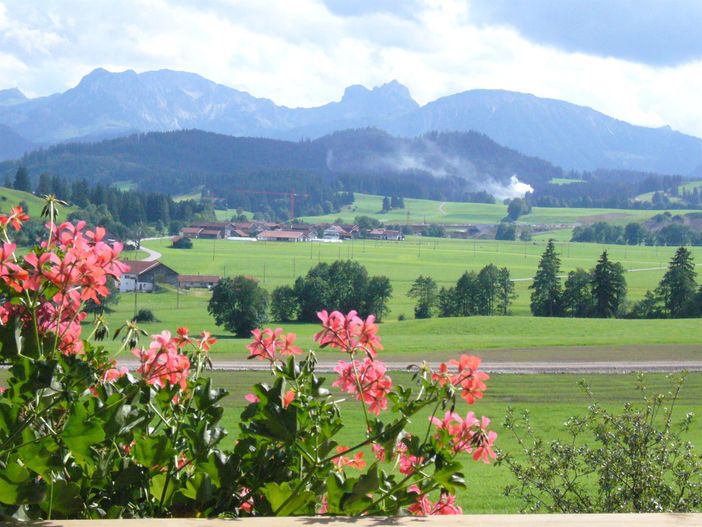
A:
<point x="505" y="291"/>
<point x="577" y="294"/>
<point x="608" y="287"/>
<point x="546" y="287"/>
<point x="677" y="288"/>
<point x="44" y="187"/>
<point x="21" y="181"/>
<point x="425" y="290"/>
<point x="386" y="204"/>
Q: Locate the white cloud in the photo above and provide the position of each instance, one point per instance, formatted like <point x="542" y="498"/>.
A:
<point x="303" y="53"/>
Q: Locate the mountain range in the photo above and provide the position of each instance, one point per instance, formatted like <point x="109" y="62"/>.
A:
<point x="106" y="105"/>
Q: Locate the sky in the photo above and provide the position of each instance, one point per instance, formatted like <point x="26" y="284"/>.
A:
<point x="637" y="60"/>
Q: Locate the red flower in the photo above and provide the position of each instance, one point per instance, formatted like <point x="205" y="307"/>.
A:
<point x="354" y="462"/>
<point x="467" y="377"/>
<point x="424" y="506"/>
<point x="268" y="343"/>
<point x="162" y="364"/>
<point x="288" y="398"/>
<point x="15" y="219"/>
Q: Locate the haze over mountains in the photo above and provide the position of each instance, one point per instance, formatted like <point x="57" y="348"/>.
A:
<point x="105" y="105"/>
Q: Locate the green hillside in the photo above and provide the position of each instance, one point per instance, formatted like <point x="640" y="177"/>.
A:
<point x="428" y="211"/>
<point x="10" y="197"/>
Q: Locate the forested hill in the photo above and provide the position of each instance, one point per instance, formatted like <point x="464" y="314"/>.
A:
<point x="440" y="166"/>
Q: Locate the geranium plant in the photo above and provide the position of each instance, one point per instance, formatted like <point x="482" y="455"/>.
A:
<point x="82" y="437"/>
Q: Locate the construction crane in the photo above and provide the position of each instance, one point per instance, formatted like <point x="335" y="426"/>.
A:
<point x="292" y="195"/>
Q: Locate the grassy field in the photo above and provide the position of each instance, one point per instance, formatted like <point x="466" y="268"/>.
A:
<point x="521" y="335"/>
<point x="10" y="197"/>
<point x="275" y="263"/>
<point x="565" y="181"/>
<point x="648" y="196"/>
<point x="551" y="399"/>
<point x="427" y="211"/>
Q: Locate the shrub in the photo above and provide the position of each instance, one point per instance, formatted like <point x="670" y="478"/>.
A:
<point x="81" y="437"/>
<point x="632" y="461"/>
<point x="145" y="315"/>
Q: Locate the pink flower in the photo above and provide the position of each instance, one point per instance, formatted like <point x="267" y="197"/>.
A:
<point x="409" y="463"/>
<point x="370" y="376"/>
<point x="267" y="344"/>
<point x="252" y="398"/>
<point x="424" y="506"/>
<point x="467" y="377"/>
<point x="349" y="333"/>
<point x="162" y="364"/>
<point x="113" y="374"/>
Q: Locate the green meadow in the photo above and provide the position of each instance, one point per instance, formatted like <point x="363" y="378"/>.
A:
<point x="551" y="399"/>
<point x="428" y="211"/>
<point x="518" y="337"/>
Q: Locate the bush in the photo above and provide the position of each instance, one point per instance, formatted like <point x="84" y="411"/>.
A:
<point x="182" y="243"/>
<point x="145" y="315"/>
<point x="632" y="461"/>
<point x="82" y="438"/>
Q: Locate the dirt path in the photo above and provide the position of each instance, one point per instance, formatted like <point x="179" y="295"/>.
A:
<point x="493" y="367"/>
<point x="442" y="211"/>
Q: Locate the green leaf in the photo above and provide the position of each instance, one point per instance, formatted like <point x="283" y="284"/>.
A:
<point x="82" y="431"/>
<point x="64" y="496"/>
<point x="156" y="486"/>
<point x="286" y="500"/>
<point x="152" y="451"/>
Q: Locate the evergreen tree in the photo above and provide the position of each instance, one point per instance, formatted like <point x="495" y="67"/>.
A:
<point x="447" y="302"/>
<point x="386" y="204"/>
<point x="677" y="288"/>
<point x="505" y="291"/>
<point x="488" y="278"/>
<point x="424" y="289"/>
<point x="546" y="287"/>
<point x="608" y="287"/>
<point x="466" y="295"/>
<point x="378" y="293"/>
<point x="577" y="294"/>
<point x="21" y="181"/>
<point x="44" y="187"/>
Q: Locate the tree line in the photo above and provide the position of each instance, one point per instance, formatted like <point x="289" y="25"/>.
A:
<point x="240" y="304"/>
<point x="664" y="229"/>
<point x="601" y="291"/>
<point x="487" y="292"/>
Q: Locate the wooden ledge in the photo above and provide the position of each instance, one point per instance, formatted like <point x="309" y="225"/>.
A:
<point x="470" y="520"/>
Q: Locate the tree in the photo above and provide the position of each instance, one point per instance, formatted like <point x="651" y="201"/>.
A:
<point x="506" y="231"/>
<point x="44" y="187"/>
<point x="608" y="287"/>
<point x="488" y="279"/>
<point x="577" y="294"/>
<point x="378" y="293"/>
<point x="21" y="181"/>
<point x="505" y="291"/>
<point x="239" y="304"/>
<point x="284" y="306"/>
<point x="648" y="307"/>
<point x="678" y="287"/>
<point x="546" y="287"/>
<point x="447" y="302"/>
<point x="516" y="208"/>
<point x="386" y="204"/>
<point x="424" y="289"/>
<point x="634" y="233"/>
<point x="466" y="294"/>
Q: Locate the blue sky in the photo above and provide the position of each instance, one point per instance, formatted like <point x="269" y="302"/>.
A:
<point x="638" y="60"/>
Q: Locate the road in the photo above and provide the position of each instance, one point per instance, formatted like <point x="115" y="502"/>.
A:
<point x="490" y="367"/>
<point x="151" y="255"/>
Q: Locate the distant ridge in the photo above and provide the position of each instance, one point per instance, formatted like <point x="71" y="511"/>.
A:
<point x="106" y="104"/>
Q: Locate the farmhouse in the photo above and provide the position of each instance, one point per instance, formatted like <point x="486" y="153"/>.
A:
<point x="190" y="232"/>
<point x="188" y="281"/>
<point x="283" y="236"/>
<point x="385" y="234"/>
<point x="143" y="276"/>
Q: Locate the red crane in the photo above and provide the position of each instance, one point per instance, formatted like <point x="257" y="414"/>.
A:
<point x="292" y="194"/>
